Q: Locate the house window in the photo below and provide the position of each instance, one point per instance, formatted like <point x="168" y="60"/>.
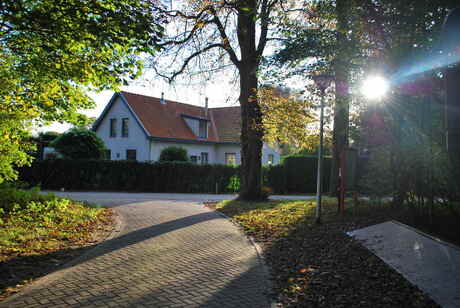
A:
<point x="124" y="127"/>
<point x="108" y="155"/>
<point x="204" y="157"/>
<point x="203" y="129"/>
<point x="113" y="128"/>
<point x="271" y="159"/>
<point x="230" y="158"/>
<point x="131" y="155"/>
<point x="193" y="158"/>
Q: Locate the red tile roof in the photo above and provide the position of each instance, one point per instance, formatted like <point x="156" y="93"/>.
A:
<point x="167" y="120"/>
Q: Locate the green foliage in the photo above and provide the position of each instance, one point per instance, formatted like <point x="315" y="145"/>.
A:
<point x="297" y="174"/>
<point x="174" y="154"/>
<point x="33" y="223"/>
<point x="14" y="143"/>
<point x="41" y="141"/>
<point x="52" y="52"/>
<point x="12" y="198"/>
<point x="234" y="184"/>
<point x="47" y="137"/>
<point x="184" y="177"/>
<point x="80" y="143"/>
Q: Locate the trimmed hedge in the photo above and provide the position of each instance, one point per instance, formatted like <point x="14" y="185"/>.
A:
<point x="181" y="177"/>
<point x="297" y="174"/>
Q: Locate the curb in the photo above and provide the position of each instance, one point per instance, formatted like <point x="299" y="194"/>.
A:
<point x="259" y="251"/>
<point x="67" y="266"/>
<point x="434" y="238"/>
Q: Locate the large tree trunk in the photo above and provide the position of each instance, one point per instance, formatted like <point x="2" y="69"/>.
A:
<point x="251" y="117"/>
<point x="342" y="96"/>
<point x="251" y="137"/>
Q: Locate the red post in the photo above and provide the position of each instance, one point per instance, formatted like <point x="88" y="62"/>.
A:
<point x="343" y="165"/>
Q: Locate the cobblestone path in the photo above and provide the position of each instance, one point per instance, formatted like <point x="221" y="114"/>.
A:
<point x="167" y="254"/>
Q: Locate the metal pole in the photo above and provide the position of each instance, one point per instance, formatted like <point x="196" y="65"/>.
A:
<point x="319" y="178"/>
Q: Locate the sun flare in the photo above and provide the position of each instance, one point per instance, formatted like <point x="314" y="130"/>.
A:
<point x="374" y="87"/>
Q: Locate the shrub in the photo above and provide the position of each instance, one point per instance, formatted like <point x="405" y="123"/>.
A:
<point x="79" y="143"/>
<point x="13" y="199"/>
<point x="174" y="154"/>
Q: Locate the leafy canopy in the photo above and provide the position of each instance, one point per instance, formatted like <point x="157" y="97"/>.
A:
<point x="52" y="51"/>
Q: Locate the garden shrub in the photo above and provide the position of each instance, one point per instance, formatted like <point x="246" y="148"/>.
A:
<point x="174" y="154"/>
<point x="79" y="143"/>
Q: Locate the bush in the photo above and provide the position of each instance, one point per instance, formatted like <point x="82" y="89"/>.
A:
<point x="174" y="154"/>
<point x="79" y="143"/>
<point x="12" y="198"/>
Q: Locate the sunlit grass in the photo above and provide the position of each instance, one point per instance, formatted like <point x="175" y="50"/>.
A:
<point x="275" y="218"/>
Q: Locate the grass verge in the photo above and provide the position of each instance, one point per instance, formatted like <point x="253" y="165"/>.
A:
<point x="39" y="232"/>
<point x="319" y="265"/>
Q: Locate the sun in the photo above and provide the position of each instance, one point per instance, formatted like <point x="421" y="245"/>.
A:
<point x="374" y="87"/>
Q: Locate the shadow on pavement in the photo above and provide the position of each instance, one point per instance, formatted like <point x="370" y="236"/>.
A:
<point x="33" y="267"/>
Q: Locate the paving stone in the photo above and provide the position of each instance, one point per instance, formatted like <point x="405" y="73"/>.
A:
<point x="167" y="254"/>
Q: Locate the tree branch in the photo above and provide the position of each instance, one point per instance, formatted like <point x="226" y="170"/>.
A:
<point x="192" y="56"/>
<point x="225" y="39"/>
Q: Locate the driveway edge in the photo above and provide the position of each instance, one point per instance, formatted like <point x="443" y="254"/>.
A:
<point x="260" y="255"/>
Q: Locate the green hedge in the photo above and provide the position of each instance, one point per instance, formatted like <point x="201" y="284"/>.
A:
<point x="297" y="174"/>
<point x="180" y="177"/>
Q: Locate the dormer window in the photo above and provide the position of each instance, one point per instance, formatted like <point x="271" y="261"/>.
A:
<point x="203" y="130"/>
<point x="199" y="126"/>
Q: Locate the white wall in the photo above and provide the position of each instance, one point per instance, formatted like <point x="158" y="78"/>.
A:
<point x="192" y="149"/>
<point x="136" y="140"/>
<point x="266" y="150"/>
<point x="216" y="152"/>
<point x="222" y="149"/>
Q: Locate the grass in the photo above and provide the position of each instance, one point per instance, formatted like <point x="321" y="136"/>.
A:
<point x="265" y="220"/>
<point x="35" y="227"/>
<point x="319" y="265"/>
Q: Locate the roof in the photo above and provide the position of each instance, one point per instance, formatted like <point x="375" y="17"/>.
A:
<point x="167" y="121"/>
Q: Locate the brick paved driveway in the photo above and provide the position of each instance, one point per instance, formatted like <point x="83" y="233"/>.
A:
<point x="167" y="254"/>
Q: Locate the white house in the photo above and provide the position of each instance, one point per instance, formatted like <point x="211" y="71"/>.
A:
<point x="139" y="127"/>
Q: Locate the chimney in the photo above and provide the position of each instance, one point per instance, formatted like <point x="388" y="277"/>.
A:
<point x="162" y="100"/>
<point x="206" y="108"/>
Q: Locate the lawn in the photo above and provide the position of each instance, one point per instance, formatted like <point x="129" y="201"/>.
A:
<point x="40" y="232"/>
<point x="320" y="266"/>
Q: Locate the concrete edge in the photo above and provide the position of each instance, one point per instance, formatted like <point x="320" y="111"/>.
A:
<point x="426" y="235"/>
<point x="257" y="248"/>
<point x="398" y="270"/>
<point x="67" y="266"/>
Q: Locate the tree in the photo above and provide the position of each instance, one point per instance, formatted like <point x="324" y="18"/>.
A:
<point x="174" y="154"/>
<point x="288" y="119"/>
<point x="80" y="143"/>
<point x="43" y="140"/>
<point x="324" y="44"/>
<point x="52" y="51"/>
<point x="350" y="38"/>
<point x="205" y="39"/>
